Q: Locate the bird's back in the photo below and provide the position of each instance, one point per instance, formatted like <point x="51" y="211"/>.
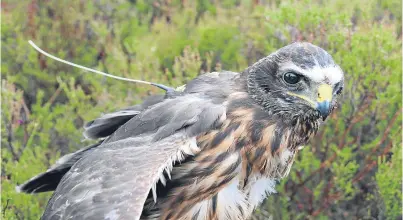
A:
<point x="125" y="162"/>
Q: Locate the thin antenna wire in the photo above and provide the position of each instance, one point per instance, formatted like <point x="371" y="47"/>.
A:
<point x="96" y="71"/>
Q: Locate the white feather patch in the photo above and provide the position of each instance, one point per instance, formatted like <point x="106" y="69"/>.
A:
<point x="202" y="208"/>
<point x="285" y="156"/>
<point x="233" y="203"/>
<point x="230" y="200"/>
<point x="260" y="190"/>
<point x="189" y="147"/>
<point x="331" y="74"/>
<point x="112" y="215"/>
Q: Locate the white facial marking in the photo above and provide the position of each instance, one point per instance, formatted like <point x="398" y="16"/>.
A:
<point x="327" y="74"/>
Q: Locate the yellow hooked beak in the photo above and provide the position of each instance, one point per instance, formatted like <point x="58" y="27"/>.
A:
<point x="325" y="93"/>
<point x="322" y="103"/>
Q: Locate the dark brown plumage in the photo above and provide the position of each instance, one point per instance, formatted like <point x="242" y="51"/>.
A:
<point x="211" y="151"/>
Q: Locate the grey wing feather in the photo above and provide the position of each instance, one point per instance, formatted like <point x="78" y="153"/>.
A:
<point x="98" y="128"/>
<point x="166" y="117"/>
<point x="114" y="181"/>
<point x="48" y="180"/>
<point x="108" y="123"/>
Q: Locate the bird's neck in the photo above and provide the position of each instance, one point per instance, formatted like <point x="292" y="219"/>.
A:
<point x="297" y="129"/>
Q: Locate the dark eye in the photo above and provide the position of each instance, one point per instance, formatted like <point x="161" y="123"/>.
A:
<point x="292" y="78"/>
<point x="338" y="88"/>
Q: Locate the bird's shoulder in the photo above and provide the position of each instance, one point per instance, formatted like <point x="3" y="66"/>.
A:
<point x="199" y="107"/>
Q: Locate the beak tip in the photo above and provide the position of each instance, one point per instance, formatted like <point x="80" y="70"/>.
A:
<point x="323" y="108"/>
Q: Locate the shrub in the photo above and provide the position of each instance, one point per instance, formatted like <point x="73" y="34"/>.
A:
<point x="352" y="169"/>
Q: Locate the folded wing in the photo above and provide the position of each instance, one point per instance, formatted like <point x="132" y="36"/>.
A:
<point x="107" y="124"/>
<point x="99" y="128"/>
<point x="114" y="181"/>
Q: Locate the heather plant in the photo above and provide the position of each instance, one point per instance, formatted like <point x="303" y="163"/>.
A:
<point x="351" y="170"/>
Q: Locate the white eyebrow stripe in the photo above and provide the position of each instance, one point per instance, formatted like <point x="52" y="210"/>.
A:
<point x="332" y="74"/>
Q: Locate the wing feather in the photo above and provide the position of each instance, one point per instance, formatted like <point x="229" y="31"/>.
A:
<point x="110" y="122"/>
<point x="114" y="181"/>
<point x="48" y="180"/>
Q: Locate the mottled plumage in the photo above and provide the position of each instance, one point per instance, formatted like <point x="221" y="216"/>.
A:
<point x="213" y="150"/>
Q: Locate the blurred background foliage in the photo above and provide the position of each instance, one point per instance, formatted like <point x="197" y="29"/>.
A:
<point x="353" y="168"/>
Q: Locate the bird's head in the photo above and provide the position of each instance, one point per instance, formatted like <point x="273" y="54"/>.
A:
<point x="300" y="80"/>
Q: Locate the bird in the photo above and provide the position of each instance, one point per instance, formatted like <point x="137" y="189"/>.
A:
<point x="213" y="149"/>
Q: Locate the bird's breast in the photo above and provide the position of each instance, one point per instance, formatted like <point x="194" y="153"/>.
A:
<point x="232" y="201"/>
<point x="234" y="171"/>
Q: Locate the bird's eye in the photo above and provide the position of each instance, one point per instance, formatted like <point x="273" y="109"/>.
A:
<point x="292" y="78"/>
<point x="339" y="90"/>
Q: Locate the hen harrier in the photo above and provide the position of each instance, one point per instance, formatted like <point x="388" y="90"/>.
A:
<point x="212" y="150"/>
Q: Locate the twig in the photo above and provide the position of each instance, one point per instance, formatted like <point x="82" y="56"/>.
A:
<point x="325" y="204"/>
<point x="10" y="138"/>
<point x="5" y="208"/>
<point x="386" y="133"/>
<point x="324" y="164"/>
<point x="373" y="163"/>
<point x="355" y="119"/>
<point x="54" y="96"/>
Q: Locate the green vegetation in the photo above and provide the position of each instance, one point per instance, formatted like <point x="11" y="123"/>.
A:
<point x="353" y="168"/>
